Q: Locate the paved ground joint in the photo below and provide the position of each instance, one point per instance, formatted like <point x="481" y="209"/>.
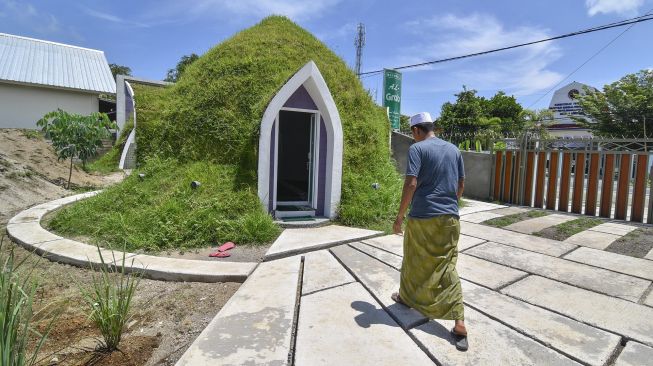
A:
<point x="295" y="322"/>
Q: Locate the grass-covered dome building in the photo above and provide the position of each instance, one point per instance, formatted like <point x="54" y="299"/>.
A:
<point x="281" y="117"/>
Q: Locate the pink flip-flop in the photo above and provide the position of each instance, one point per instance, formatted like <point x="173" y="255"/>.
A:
<point x="226" y="246"/>
<point x="220" y="255"/>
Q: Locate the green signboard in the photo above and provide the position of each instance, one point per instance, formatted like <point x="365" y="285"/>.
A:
<point x="392" y="96"/>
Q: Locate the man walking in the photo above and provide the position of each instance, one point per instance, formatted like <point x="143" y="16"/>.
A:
<point x="434" y="183"/>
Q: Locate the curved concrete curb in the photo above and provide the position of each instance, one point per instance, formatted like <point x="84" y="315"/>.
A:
<point x="25" y="229"/>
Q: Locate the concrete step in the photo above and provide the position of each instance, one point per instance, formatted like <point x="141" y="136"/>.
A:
<point x="479" y="217"/>
<point x="346" y="326"/>
<point x="616" y="315"/>
<point x="614" y="228"/>
<point x="518" y="240"/>
<point x="581" y="275"/>
<point x="390" y="259"/>
<point x="254" y="327"/>
<point x="304" y="240"/>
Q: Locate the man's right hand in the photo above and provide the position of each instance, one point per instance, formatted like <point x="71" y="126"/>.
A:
<point x="396" y="228"/>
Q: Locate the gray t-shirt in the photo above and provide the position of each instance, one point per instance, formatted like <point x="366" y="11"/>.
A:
<point x="438" y="166"/>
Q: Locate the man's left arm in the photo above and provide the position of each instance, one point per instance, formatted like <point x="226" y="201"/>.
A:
<point x="410" y="185"/>
<point x="461" y="176"/>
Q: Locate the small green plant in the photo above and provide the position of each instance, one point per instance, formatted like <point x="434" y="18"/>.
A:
<point x="75" y="136"/>
<point x="17" y="313"/>
<point x="109" y="299"/>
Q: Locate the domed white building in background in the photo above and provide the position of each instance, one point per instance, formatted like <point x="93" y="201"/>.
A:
<point x="564" y="105"/>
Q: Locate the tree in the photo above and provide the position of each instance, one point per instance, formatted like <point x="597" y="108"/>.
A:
<point x="536" y="121"/>
<point x="119" y="70"/>
<point x="174" y="74"/>
<point x="507" y="110"/>
<point x="462" y="116"/>
<point x="623" y="108"/>
<point x="75" y="136"/>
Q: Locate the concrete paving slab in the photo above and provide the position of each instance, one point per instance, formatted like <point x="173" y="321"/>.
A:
<point x="609" y="313"/>
<point x="296" y="241"/>
<point x="592" y="239"/>
<point x="381" y="280"/>
<point x="490" y="343"/>
<point x="614" y="228"/>
<point x="572" y="338"/>
<point x="539" y="223"/>
<point x="395" y="243"/>
<point x="471" y="268"/>
<point x="577" y="274"/>
<point x="635" y="354"/>
<point x="29" y="234"/>
<point x="515" y="239"/>
<point x="473" y="206"/>
<point x="390" y="259"/>
<point x="346" y="326"/>
<point x="465" y="242"/>
<point x="649" y="299"/>
<point x="322" y="271"/>
<point x="479" y="217"/>
<point x="254" y="327"/>
<point x="649" y="256"/>
<point x="391" y="243"/>
<point x="513" y="210"/>
<point x="615" y="262"/>
<point x="176" y="269"/>
<point x="486" y="273"/>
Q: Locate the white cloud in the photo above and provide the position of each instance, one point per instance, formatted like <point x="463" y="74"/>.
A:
<point x="622" y="7"/>
<point x="113" y="18"/>
<point x="294" y="9"/>
<point x="30" y="17"/>
<point x="521" y="71"/>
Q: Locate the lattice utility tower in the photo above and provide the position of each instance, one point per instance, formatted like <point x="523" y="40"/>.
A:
<point x="359" y="42"/>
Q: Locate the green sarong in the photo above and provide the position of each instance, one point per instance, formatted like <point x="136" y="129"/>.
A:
<point x="429" y="281"/>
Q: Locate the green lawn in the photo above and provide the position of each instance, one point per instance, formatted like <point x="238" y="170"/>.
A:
<point x="512" y="219"/>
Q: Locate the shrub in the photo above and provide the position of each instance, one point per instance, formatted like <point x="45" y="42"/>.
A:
<point x="17" y="313"/>
<point x="109" y="299"/>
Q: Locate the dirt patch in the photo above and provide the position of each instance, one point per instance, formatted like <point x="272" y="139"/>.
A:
<point x="637" y="243"/>
<point x="30" y="172"/>
<point x="569" y="228"/>
<point x="511" y="219"/>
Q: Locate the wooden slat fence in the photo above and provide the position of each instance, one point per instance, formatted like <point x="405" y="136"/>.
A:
<point x="606" y="177"/>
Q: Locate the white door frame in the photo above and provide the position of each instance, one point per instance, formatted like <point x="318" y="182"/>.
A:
<point x="315" y="163"/>
<point x="308" y="76"/>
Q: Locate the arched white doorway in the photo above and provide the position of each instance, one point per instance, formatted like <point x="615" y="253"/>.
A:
<point x="301" y="128"/>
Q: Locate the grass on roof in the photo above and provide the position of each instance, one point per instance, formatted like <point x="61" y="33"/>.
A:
<point x="211" y="117"/>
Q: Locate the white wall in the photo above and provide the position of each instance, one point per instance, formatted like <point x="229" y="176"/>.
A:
<point x="21" y="106"/>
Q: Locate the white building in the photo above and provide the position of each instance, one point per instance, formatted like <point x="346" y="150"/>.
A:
<point x="37" y="77"/>
<point x="564" y="105"/>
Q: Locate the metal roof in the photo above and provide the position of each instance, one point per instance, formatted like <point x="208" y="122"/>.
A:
<point x="38" y="62"/>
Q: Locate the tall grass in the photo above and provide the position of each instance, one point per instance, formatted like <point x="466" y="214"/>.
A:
<point x="109" y="298"/>
<point x="17" y="312"/>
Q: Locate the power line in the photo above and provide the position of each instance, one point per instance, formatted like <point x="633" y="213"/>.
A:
<point x="586" y="62"/>
<point x="622" y="23"/>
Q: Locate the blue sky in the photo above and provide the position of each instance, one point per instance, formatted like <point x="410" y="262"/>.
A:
<point x="151" y="36"/>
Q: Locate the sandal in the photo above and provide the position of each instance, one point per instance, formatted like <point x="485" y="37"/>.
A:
<point x="396" y="298"/>
<point x="226" y="246"/>
<point x="460" y="341"/>
<point x="220" y="255"/>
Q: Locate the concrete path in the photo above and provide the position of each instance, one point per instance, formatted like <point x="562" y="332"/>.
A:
<point x="547" y="303"/>
<point x="536" y="224"/>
